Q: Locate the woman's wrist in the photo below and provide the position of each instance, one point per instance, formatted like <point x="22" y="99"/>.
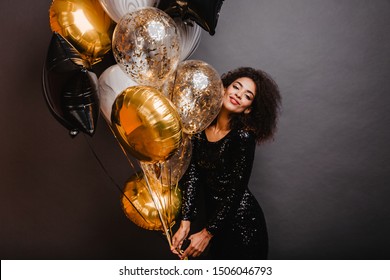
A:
<point x="185" y="224"/>
<point x="209" y="234"/>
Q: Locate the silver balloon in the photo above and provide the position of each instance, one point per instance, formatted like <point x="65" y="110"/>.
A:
<point x="190" y="37"/>
<point x="146" y="45"/>
<point x="116" y="9"/>
<point x="111" y="83"/>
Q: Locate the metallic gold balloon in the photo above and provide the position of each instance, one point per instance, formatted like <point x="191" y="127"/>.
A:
<point x="169" y="172"/>
<point x="146" y="209"/>
<point x="197" y="95"/>
<point x="84" y="24"/>
<point x="145" y="44"/>
<point x="146" y="123"/>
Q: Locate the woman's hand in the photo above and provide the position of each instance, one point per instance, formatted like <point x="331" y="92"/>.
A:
<point x="179" y="236"/>
<point x="199" y="242"/>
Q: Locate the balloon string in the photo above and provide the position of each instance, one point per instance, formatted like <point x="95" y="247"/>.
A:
<point x="163" y="222"/>
<point x="120" y="145"/>
<point x="169" y="213"/>
<point x="165" y="204"/>
<point x="164" y="207"/>
<point x="167" y="230"/>
<point x="109" y="176"/>
<point x="153" y="172"/>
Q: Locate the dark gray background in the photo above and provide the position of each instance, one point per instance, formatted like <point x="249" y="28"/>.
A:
<point x="323" y="183"/>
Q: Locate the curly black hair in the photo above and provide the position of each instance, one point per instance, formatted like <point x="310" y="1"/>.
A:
<point x="263" y="116"/>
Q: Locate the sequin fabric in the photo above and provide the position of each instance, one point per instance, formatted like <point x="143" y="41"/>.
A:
<point x="234" y="217"/>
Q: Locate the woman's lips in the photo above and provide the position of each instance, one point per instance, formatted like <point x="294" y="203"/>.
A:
<point x="234" y="101"/>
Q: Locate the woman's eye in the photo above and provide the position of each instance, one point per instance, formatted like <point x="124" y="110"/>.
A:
<point x="248" y="97"/>
<point x="235" y="87"/>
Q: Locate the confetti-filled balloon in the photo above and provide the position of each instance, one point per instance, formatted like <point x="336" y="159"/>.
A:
<point x="167" y="87"/>
<point x="146" y="44"/>
<point x="146" y="124"/>
<point x="146" y="208"/>
<point x="197" y="95"/>
<point x="85" y="25"/>
<point x="169" y="172"/>
<point x="117" y="9"/>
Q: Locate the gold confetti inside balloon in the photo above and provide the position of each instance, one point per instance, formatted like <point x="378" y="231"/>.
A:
<point x="145" y="208"/>
<point x="84" y="24"/>
<point x="146" y="123"/>
<point x="146" y="45"/>
<point x="167" y="86"/>
<point x="169" y="172"/>
<point x="197" y="95"/>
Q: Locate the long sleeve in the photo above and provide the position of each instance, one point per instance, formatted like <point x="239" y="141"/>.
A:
<point x="237" y="173"/>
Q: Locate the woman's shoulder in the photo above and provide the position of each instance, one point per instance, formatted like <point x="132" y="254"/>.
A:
<point x="245" y="134"/>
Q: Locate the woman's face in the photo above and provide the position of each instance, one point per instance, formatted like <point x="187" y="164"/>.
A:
<point x="239" y="95"/>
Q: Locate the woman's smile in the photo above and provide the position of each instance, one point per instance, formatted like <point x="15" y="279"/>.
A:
<point x="234" y="101"/>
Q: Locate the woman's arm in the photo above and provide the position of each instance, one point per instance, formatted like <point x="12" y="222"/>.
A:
<point x="189" y="185"/>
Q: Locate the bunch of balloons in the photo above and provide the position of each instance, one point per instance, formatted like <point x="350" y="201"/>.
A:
<point x="152" y="98"/>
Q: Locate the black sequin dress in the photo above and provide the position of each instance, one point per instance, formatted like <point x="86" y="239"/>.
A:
<point x="233" y="215"/>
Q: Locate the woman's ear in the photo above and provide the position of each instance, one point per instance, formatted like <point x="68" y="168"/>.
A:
<point x="247" y="110"/>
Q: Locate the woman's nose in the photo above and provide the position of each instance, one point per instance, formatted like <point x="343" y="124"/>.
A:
<point x="238" y="94"/>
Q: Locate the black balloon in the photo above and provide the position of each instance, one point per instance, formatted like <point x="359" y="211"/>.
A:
<point x="80" y="103"/>
<point x="69" y="88"/>
<point x="62" y="56"/>
<point x="204" y="12"/>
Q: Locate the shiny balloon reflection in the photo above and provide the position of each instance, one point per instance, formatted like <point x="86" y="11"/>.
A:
<point x="169" y="172"/>
<point x="85" y="25"/>
<point x="147" y="206"/>
<point x="146" y="124"/>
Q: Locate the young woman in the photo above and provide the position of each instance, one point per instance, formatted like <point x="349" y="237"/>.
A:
<point x="221" y="164"/>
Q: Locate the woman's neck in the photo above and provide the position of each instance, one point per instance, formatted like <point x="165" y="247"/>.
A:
<point x="223" y="121"/>
<point x="221" y="127"/>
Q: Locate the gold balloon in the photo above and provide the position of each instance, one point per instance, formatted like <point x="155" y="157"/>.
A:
<point x="197" y="95"/>
<point x="169" y="172"/>
<point x="146" y="123"/>
<point x="85" y="25"/>
<point x="146" y="45"/>
<point x="146" y="212"/>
